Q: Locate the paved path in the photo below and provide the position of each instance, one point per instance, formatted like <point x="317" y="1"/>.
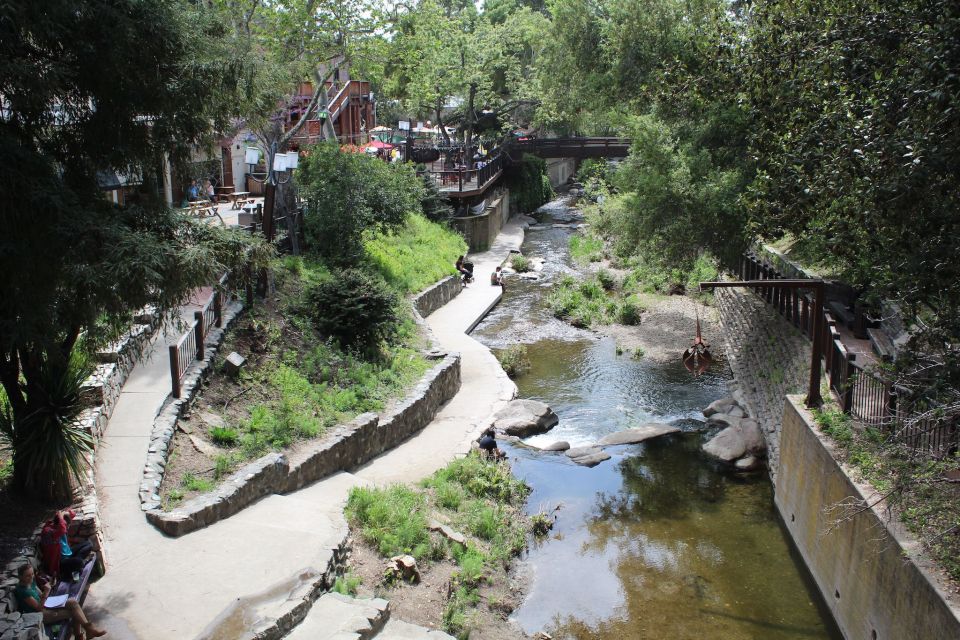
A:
<point x="158" y="587"/>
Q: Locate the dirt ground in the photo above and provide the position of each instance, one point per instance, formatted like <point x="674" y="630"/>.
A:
<point x="424" y="603"/>
<point x="667" y="327"/>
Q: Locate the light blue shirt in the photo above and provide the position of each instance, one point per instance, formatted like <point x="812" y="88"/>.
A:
<point x="65" y="549"/>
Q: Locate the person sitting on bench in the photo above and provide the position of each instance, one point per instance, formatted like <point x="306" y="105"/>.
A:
<point x="31" y="599"/>
<point x="59" y="557"/>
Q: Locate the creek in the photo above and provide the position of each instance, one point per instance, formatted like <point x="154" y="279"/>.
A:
<point x="659" y="541"/>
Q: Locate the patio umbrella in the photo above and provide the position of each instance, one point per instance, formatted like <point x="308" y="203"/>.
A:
<point x="376" y="145"/>
<point x="380" y="128"/>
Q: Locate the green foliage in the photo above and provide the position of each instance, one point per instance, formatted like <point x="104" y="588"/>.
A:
<point x="529" y="184"/>
<point x="224" y="464"/>
<point x="347" y="584"/>
<point x="355" y="308"/>
<point x="391" y="519"/>
<point x="520" y="263"/>
<point x="224" y="436"/>
<point x="350" y="196"/>
<point x="433" y="204"/>
<point x="540" y="525"/>
<point x="190" y="482"/>
<point x="514" y="359"/>
<point x="483" y="479"/>
<point x="49" y="446"/>
<point x="835" y="424"/>
<point x="629" y="312"/>
<point x="607" y="280"/>
<point x="415" y="255"/>
<point x="586" y="248"/>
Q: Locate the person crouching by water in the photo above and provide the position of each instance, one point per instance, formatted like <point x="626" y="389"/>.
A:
<point x="488" y="445"/>
<point x="465" y="269"/>
<point x="496" y="278"/>
<point x="31" y="599"/>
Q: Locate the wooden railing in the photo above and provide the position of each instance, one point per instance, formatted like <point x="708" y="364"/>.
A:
<point x="190" y="346"/>
<point x="460" y="180"/>
<point x="858" y="390"/>
<point x="573" y="147"/>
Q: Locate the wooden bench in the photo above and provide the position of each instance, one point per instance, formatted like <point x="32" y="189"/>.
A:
<point x="78" y="591"/>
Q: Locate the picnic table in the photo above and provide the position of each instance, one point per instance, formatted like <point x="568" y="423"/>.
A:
<point x="203" y="210"/>
<point x="239" y="198"/>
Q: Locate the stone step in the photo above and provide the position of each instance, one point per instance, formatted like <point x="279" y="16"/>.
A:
<point x="339" y="617"/>
<point x="399" y="630"/>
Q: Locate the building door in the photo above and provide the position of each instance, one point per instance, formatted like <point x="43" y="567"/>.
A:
<point x="227" y="164"/>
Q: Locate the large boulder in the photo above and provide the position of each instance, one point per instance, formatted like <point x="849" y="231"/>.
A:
<point x="724" y="420"/>
<point x="587" y="456"/>
<point x="560" y="445"/>
<point x="637" y="434"/>
<point x="736" y="441"/>
<point x="524" y="418"/>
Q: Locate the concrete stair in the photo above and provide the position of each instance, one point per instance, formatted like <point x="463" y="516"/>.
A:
<point x="339" y="617"/>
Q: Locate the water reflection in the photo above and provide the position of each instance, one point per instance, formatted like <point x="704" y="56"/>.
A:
<point x="657" y="542"/>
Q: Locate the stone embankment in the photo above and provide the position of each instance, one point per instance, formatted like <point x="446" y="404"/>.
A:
<point x="740" y="441"/>
<point x="769" y="359"/>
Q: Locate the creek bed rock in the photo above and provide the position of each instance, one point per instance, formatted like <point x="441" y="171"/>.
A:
<point x="637" y="434"/>
<point x="524" y="418"/>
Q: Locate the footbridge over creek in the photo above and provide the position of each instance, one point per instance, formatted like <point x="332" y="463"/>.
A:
<point x="462" y="183"/>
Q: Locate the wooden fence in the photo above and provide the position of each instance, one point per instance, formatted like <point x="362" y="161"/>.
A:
<point x="859" y="391"/>
<point x="190" y="346"/>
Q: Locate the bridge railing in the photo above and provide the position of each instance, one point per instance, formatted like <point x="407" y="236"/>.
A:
<point x="459" y="180"/>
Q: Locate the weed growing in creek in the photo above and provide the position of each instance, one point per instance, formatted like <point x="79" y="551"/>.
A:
<point x="520" y="263"/>
<point x="514" y="359"/>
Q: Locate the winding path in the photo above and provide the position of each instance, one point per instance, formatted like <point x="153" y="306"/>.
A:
<point x="158" y="587"/>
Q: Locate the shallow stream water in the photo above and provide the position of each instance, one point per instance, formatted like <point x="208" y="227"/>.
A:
<point x="658" y="542"/>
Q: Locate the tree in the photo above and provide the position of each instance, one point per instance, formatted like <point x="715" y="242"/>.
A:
<point x="349" y="194"/>
<point x="92" y="86"/>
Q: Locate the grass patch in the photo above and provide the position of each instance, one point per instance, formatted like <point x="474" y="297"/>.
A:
<point x="224" y="436"/>
<point x="586" y="248"/>
<point x="347" y="584"/>
<point x="392" y="519"/>
<point x="594" y="301"/>
<point x="480" y="498"/>
<point x="190" y="482"/>
<point x="520" y="263"/>
<point x="514" y="359"/>
<point x="416" y="255"/>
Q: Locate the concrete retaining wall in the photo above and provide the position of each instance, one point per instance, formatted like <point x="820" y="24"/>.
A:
<point x="348" y="447"/>
<point x="560" y="170"/>
<point x="480" y="230"/>
<point x="871" y="573"/>
<point x="769" y="358"/>
<point x="434" y="297"/>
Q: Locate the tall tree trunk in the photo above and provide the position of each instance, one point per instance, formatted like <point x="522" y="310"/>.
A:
<point x="471" y="97"/>
<point x="443" y="129"/>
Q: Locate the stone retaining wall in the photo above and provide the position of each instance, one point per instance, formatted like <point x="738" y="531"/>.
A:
<point x="349" y="446"/>
<point x="100" y="393"/>
<point x="434" y="297"/>
<point x="769" y="358"/>
<point x="872" y="574"/>
<point x="165" y="424"/>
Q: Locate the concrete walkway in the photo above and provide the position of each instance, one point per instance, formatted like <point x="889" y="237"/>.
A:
<point x="159" y="587"/>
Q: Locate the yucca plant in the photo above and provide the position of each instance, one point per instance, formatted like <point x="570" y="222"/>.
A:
<point x="49" y="446"/>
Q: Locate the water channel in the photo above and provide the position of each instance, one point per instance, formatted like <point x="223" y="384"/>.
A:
<point x="658" y="542"/>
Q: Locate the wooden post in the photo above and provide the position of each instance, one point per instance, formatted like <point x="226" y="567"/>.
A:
<point x="199" y="335"/>
<point x="218" y="307"/>
<point x="269" y="195"/>
<point x="847" y="398"/>
<point x="175" y="370"/>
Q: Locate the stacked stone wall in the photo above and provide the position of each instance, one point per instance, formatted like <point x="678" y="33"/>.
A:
<point x="437" y="295"/>
<point x="769" y="358"/>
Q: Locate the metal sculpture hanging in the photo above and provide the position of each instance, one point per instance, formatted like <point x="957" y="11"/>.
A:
<point x="697" y="358"/>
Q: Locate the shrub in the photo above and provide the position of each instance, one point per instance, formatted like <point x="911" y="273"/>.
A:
<point x="349" y="195"/>
<point x="224" y="436"/>
<point x="514" y="359"/>
<point x="484" y="521"/>
<point x="355" y="308"/>
<point x="483" y="479"/>
<point x="629" y="312"/>
<point x="540" y="525"/>
<point x="529" y="183"/>
<point x="520" y="263"/>
<point x="607" y="280"/>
